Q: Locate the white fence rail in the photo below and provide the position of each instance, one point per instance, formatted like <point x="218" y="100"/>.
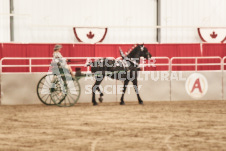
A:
<point x="169" y="63"/>
<point x="196" y="64"/>
<point x="30" y="64"/>
<point x="223" y="63"/>
<point x="172" y="89"/>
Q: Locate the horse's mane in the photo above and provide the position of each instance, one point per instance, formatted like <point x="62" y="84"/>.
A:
<point x="133" y="52"/>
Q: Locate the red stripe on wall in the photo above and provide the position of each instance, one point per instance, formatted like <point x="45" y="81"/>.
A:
<point x="105" y="50"/>
<point x="214" y="50"/>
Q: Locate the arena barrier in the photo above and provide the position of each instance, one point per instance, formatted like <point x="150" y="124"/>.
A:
<point x="224" y="77"/>
<point x="224" y="85"/>
<point x="196" y="88"/>
<point x="151" y="87"/>
<point x="169" y="85"/>
<point x="0" y="89"/>
<point x="150" y="90"/>
<point x="199" y="84"/>
<point x="19" y="89"/>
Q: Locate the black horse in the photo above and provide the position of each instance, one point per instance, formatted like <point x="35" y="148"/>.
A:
<point x="125" y="70"/>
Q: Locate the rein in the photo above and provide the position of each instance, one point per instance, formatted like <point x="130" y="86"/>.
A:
<point x="69" y="61"/>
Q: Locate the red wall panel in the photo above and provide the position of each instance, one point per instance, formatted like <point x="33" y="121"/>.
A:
<point x="105" y="50"/>
<point x="1" y="50"/>
<point x="214" y="50"/>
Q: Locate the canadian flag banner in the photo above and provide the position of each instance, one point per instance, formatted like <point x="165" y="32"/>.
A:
<point x="90" y="34"/>
<point x="212" y="34"/>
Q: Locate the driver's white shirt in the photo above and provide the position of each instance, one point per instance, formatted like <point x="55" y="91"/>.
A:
<point x="57" y="57"/>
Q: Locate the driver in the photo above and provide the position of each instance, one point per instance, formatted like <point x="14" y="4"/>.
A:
<point x="58" y="58"/>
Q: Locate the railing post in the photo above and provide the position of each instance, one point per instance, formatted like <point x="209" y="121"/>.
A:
<point x="222" y="67"/>
<point x="171" y="63"/>
<point x="196" y="62"/>
<point x="0" y="66"/>
<point x="142" y="62"/>
<point x="87" y="61"/>
<point x="30" y="65"/>
<point x="170" y="71"/>
<point x="222" y="63"/>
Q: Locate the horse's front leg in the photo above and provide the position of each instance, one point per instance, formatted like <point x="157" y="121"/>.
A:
<point x="136" y="90"/>
<point x="101" y="95"/>
<point x="124" y="90"/>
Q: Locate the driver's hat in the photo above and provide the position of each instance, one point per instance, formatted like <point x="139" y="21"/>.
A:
<point x="57" y="47"/>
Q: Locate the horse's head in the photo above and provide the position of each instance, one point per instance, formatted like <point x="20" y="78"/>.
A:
<point x="137" y="52"/>
<point x="144" y="52"/>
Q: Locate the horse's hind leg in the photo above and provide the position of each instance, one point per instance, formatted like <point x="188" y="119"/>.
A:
<point x="124" y="90"/>
<point x="136" y="90"/>
<point x="96" y="87"/>
<point x="101" y="95"/>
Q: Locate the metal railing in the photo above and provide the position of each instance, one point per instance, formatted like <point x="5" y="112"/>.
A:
<point x="154" y="63"/>
<point x="223" y="62"/>
<point x="169" y="62"/>
<point x="195" y="64"/>
<point x="30" y="65"/>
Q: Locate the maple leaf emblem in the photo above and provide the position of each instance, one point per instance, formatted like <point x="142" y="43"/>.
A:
<point x="213" y="35"/>
<point x="90" y="35"/>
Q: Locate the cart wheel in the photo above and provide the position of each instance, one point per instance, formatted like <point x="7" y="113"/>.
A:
<point x="44" y="89"/>
<point x="66" y="93"/>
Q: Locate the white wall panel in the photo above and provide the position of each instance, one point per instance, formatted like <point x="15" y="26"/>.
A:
<point x="214" y="87"/>
<point x="224" y="85"/>
<point x="152" y="87"/>
<point x="4" y="21"/>
<point x="194" y="13"/>
<point x="52" y="20"/>
<point x="19" y="91"/>
<point x="13" y="85"/>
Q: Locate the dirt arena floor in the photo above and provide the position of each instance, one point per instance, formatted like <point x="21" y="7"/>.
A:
<point x="196" y="126"/>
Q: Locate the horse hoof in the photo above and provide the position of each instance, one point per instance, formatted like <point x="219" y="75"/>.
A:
<point x="95" y="104"/>
<point x="100" y="100"/>
<point x="122" y="103"/>
<point x="141" y="102"/>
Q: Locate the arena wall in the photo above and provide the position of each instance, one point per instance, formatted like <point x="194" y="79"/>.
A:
<point x="21" y="89"/>
<point x="0" y="89"/>
<point x="128" y="21"/>
<point x="214" y="87"/>
<point x="4" y="21"/>
<point x="53" y="20"/>
<point x="101" y="50"/>
<point x="153" y="86"/>
<point x="188" y="15"/>
<point x="151" y="90"/>
<point x="224" y="85"/>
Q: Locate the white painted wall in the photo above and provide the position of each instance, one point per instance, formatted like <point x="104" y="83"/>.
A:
<point x="52" y="20"/>
<point x="154" y="86"/>
<point x="194" y="13"/>
<point x="4" y="21"/>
